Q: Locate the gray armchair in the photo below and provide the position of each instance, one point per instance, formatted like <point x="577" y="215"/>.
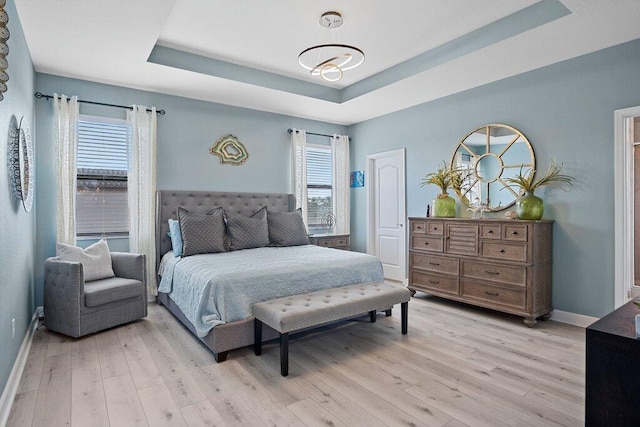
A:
<point x="74" y="307"/>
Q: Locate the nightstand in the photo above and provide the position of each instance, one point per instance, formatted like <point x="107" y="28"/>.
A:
<point x="612" y="369"/>
<point x="337" y="241"/>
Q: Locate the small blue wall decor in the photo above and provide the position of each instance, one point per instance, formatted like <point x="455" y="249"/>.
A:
<point x="357" y="179"/>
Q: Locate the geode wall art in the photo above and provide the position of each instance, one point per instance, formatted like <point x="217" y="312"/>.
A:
<point x="230" y="150"/>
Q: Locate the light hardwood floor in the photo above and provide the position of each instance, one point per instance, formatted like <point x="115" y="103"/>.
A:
<point x="459" y="365"/>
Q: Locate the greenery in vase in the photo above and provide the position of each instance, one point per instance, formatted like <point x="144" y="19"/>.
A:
<point x="445" y="177"/>
<point x="554" y="176"/>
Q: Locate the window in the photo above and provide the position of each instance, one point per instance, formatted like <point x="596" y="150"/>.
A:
<point x="101" y="198"/>
<point x="319" y="177"/>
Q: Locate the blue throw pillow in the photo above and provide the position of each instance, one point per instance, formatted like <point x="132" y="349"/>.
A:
<point x="176" y="237"/>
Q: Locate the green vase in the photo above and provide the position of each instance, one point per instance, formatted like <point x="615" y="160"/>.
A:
<point x="529" y="206"/>
<point x="444" y="206"/>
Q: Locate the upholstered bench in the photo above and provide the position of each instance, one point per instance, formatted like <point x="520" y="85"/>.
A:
<point x="290" y="314"/>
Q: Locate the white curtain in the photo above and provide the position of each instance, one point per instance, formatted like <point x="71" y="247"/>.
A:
<point x="299" y="169"/>
<point x="66" y="135"/>
<point x="141" y="188"/>
<point x="340" y="185"/>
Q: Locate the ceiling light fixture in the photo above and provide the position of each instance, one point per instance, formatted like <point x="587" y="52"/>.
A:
<point x="331" y="60"/>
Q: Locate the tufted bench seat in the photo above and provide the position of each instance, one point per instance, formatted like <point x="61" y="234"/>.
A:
<point x="293" y="313"/>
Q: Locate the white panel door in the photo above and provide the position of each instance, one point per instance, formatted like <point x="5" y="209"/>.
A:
<point x="387" y="212"/>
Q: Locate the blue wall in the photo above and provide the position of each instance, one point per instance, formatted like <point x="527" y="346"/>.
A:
<point x="566" y="111"/>
<point x="185" y="135"/>
<point x="17" y="228"/>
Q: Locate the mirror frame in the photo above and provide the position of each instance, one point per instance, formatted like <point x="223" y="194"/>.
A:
<point x="473" y="170"/>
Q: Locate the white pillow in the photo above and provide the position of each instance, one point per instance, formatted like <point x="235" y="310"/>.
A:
<point x="96" y="259"/>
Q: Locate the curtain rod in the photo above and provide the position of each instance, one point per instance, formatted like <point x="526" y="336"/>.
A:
<point x="317" y="134"/>
<point x="128" y="107"/>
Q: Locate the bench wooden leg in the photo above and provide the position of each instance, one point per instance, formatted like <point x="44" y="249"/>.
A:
<point x="388" y="312"/>
<point x="284" y="354"/>
<point x="404" y="314"/>
<point x="372" y="316"/>
<point x="257" y="337"/>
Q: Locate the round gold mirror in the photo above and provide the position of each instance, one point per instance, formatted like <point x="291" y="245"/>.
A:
<point x="485" y="158"/>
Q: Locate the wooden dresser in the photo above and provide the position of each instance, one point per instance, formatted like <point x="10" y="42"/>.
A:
<point x="500" y="264"/>
<point x="337" y="241"/>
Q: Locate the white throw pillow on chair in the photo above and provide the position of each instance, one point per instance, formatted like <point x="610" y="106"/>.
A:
<point x="95" y="259"/>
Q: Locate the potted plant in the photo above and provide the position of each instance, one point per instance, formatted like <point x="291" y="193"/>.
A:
<point x="444" y="206"/>
<point x="530" y="206"/>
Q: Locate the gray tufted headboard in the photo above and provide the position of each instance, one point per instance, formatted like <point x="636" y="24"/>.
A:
<point x="167" y="202"/>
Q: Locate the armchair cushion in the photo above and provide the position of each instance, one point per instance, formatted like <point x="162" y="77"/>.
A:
<point x="95" y="259"/>
<point x="99" y="292"/>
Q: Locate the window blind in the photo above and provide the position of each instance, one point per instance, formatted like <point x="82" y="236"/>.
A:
<point x="319" y="176"/>
<point x="101" y="199"/>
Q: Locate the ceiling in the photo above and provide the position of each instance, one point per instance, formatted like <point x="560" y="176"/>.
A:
<point x="244" y="53"/>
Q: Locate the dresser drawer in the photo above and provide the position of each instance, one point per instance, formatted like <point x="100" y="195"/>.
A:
<point x="515" y="298"/>
<point x="434" y="282"/>
<point x="341" y="242"/>
<point x="490" y="231"/>
<point x="435" y="228"/>
<point x="435" y="263"/>
<point x="328" y="241"/>
<point x="495" y="273"/>
<point x="504" y="251"/>
<point x="461" y="239"/>
<point x="426" y="243"/>
<point x="515" y="232"/>
<point x="418" y="227"/>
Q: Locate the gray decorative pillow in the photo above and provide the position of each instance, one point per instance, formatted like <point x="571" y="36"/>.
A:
<point x="248" y="232"/>
<point x="95" y="259"/>
<point x="202" y="233"/>
<point x="287" y="228"/>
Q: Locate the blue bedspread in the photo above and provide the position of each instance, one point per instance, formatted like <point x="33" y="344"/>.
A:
<point x="213" y="289"/>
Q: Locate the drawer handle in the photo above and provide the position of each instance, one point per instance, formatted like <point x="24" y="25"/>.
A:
<point x="435" y="282"/>
<point x="514" y="233"/>
<point x="492" y="294"/>
<point x="492" y="272"/>
<point x="434" y="263"/>
<point x="426" y="243"/>
<point x="501" y="251"/>
<point x="418" y="228"/>
<point x="435" y="228"/>
<point x="490" y="231"/>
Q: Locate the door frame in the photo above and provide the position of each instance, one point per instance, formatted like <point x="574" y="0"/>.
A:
<point x="370" y="201"/>
<point x="623" y="205"/>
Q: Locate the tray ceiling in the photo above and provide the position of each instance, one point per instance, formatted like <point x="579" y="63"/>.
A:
<point x="245" y="53"/>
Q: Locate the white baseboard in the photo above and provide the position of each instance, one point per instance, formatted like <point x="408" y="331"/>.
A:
<point x="9" y="393"/>
<point x="572" y="318"/>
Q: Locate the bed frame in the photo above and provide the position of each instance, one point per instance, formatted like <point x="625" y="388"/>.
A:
<point x="231" y="335"/>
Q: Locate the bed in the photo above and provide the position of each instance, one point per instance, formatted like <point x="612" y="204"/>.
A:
<point x="211" y="294"/>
